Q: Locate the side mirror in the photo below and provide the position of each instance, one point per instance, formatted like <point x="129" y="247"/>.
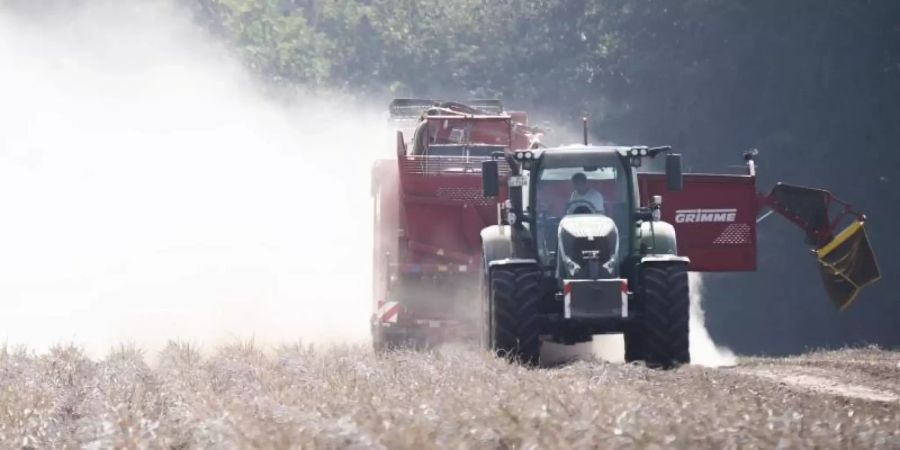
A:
<point x="674" y="179"/>
<point x="490" y="179"/>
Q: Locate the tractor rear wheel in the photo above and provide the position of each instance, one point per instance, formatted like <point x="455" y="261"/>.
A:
<point x="662" y="307"/>
<point x="514" y="295"/>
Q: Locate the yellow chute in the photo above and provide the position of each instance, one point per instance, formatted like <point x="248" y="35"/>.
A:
<point x="847" y="264"/>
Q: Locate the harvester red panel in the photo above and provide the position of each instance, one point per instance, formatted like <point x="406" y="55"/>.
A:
<point x="443" y="209"/>
<point x="429" y="212"/>
<point x="714" y="218"/>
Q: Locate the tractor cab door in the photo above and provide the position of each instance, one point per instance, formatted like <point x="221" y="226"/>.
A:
<point x="714" y="217"/>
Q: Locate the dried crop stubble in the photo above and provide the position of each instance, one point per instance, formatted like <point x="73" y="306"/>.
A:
<point x="454" y="398"/>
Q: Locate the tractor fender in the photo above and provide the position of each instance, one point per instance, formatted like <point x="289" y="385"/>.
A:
<point x="657" y="238"/>
<point x="649" y="259"/>
<point x="512" y="262"/>
<point x="497" y="248"/>
<point x="496" y="243"/>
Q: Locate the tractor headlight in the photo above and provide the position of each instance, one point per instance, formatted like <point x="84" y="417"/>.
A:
<point x="637" y="152"/>
<point x="524" y="155"/>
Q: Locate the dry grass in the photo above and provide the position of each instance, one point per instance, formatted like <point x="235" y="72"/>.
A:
<point x="453" y="398"/>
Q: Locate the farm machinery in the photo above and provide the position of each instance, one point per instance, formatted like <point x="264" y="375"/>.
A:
<point x="481" y="233"/>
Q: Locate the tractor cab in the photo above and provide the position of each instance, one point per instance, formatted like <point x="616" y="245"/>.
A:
<point x="579" y="202"/>
<point x="579" y="206"/>
<point x="576" y="255"/>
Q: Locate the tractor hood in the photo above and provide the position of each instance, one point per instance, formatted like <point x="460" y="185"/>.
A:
<point x="588" y="244"/>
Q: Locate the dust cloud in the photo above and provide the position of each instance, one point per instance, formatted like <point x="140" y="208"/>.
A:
<point x="150" y="191"/>
<point x="704" y="351"/>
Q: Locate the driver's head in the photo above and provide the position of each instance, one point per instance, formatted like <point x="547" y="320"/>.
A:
<point x="579" y="180"/>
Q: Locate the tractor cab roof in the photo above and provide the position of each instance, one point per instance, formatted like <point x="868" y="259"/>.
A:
<point x="642" y="158"/>
<point x="580" y="155"/>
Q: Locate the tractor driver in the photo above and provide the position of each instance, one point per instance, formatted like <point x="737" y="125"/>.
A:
<point x="584" y="195"/>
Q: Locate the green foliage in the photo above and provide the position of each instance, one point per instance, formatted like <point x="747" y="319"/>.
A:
<point x="679" y="65"/>
<point x="417" y="47"/>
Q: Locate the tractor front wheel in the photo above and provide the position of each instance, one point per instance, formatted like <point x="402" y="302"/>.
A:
<point x="513" y="305"/>
<point x="659" y="338"/>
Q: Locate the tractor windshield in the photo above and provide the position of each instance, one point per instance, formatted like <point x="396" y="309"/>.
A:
<point x="598" y="188"/>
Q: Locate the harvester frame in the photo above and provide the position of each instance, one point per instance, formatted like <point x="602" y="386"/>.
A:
<point x="428" y="213"/>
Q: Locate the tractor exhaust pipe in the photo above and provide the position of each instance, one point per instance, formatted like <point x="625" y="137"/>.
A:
<point x="584" y="127"/>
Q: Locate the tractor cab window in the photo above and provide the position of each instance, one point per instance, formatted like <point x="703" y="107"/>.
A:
<point x="597" y="190"/>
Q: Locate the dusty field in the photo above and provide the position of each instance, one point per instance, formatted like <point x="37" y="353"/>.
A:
<point x="453" y="398"/>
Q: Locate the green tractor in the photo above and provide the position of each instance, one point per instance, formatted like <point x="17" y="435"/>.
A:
<point x="576" y="254"/>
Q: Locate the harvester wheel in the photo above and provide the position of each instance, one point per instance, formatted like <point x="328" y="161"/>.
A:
<point x="386" y="342"/>
<point x="382" y="343"/>
<point x="660" y="336"/>
<point x="514" y="332"/>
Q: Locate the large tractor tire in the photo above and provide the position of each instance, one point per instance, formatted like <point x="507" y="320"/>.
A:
<point x="659" y="338"/>
<point x="513" y="308"/>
